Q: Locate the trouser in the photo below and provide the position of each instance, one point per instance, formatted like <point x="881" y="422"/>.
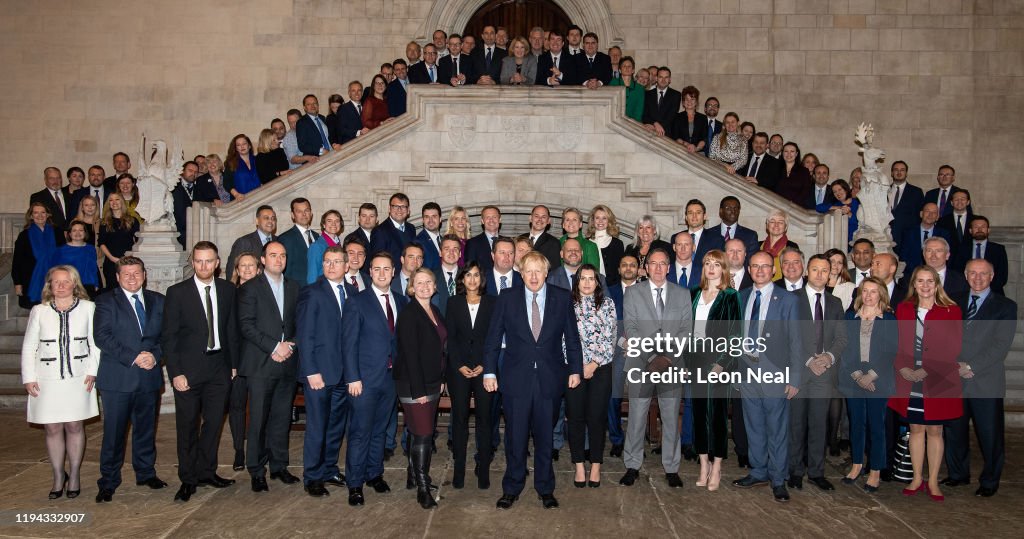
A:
<point x="529" y="414"/>
<point x="327" y="417"/>
<point x="808" y="423"/>
<point x="989" y="420"/>
<point x="460" y="388"/>
<point x="558" y="434"/>
<point x="633" y="450"/>
<point x="119" y="409"/>
<point x="364" y="458"/>
<point x="867" y="431"/>
<point x="586" y="406"/>
<point x="739" y="429"/>
<point x="767" y="425"/>
<point x="198" y="417"/>
<point x="270" y="417"/>
<point x="236" y="412"/>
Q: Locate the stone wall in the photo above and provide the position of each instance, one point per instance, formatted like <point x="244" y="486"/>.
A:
<point x="942" y="80"/>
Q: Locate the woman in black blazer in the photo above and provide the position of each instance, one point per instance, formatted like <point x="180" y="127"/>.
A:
<point x="469" y="315"/>
<point x="690" y="127"/>
<point x="603" y="230"/>
<point x="419" y="375"/>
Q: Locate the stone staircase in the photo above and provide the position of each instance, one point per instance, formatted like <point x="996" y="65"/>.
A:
<point x="12" y="393"/>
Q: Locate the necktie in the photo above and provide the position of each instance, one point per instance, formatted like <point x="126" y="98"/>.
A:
<point x="659" y="306"/>
<point x="792" y="286"/>
<point x="359" y="109"/>
<point x="533" y="240"/>
<point x="959" y="227"/>
<point x="896" y="199"/>
<point x="451" y="284"/>
<point x="210" y="329"/>
<point x="390" y="313"/>
<point x="755" y="314"/>
<point x="972" y="309"/>
<point x="323" y="135"/>
<point x="534" y="317"/>
<point x="555" y="62"/>
<point x="683" y="279"/>
<point x="728" y="232"/>
<point x="433" y="77"/>
<point x="863" y="275"/>
<point x="977" y="250"/>
<point x="820" y="196"/>
<point x="341" y="296"/>
<point x="60" y="206"/>
<point x="455" y="61"/>
<point x="487" y="57"/>
<point x="437" y="240"/>
<point x="591" y="60"/>
<point x="99" y="207"/>
<point x="140" y="311"/>
<point x="354" y="282"/>
<point x="753" y="169"/>
<point x="504" y="283"/>
<point x="188" y="189"/>
<point x="925" y="238"/>
<point x="819" y="324"/>
<point x="661" y="94"/>
<point x="96" y="193"/>
<point x="942" y="202"/>
<point x="309" y="238"/>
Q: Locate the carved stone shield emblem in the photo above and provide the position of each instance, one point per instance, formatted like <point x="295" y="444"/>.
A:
<point x="461" y="131"/>
<point x="514" y="130"/>
<point x="567" y="133"/>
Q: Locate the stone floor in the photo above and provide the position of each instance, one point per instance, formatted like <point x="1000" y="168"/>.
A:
<point x="648" y="509"/>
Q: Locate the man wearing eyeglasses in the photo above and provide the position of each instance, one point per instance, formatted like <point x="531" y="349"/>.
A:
<point x="394" y="233"/>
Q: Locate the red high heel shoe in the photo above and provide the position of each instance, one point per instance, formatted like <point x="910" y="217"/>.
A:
<point x="914" y="491"/>
<point x="935" y="497"/>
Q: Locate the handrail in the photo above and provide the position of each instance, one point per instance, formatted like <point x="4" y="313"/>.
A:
<point x="11" y="224"/>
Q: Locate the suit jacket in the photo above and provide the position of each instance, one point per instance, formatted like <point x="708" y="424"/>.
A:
<point x="882" y="351"/>
<point x="528" y="70"/>
<point x="640" y="319"/>
<point x="692" y="276"/>
<point x="744" y="234"/>
<point x="466" y="339"/>
<point x="86" y="190"/>
<point x="297" y="251"/>
<point x="615" y="292"/>
<point x="933" y="197"/>
<point x="395" y="97"/>
<point x="681" y="126"/>
<point x="441" y="297"/>
<point x="781" y="331"/>
<point x="665" y="114"/>
<point x="308" y="135"/>
<point x="746" y="281"/>
<point x="249" y="243"/>
<point x="769" y="171"/>
<point x="528" y="360"/>
<point x="60" y="218"/>
<point x="182" y="202"/>
<point x="550" y="247"/>
<point x="367" y="342"/>
<point x="907" y="213"/>
<point x="391" y="239"/>
<point x="833" y="341"/>
<point x="117" y="334"/>
<point x="446" y="69"/>
<point x="566" y="66"/>
<point x="601" y="69"/>
<point x="419" y="361"/>
<point x="558" y="277"/>
<point x="943" y="335"/>
<point x="995" y="253"/>
<point x="418" y="73"/>
<point x="948" y="223"/>
<point x="184" y="335"/>
<point x="493" y="286"/>
<point x="954" y="283"/>
<point x="262" y="327"/>
<point x="349" y="123"/>
<point x="828" y="201"/>
<point x="359" y="236"/>
<point x="797" y="187"/>
<point x="710" y="238"/>
<point x="910" y="246"/>
<point x="318" y="332"/>
<point x="431" y="254"/>
<point x="492" y="69"/>
<point x="478" y="248"/>
<point x="711" y="132"/>
<point x="986" y="343"/>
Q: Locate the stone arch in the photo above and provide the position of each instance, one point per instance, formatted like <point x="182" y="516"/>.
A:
<point x="592" y="15"/>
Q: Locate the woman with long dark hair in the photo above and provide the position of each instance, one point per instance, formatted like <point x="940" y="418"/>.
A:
<point x="240" y="175"/>
<point x="375" y="108"/>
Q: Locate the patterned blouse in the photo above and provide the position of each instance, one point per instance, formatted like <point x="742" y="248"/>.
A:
<point x="597" y="330"/>
<point x="735" y="151"/>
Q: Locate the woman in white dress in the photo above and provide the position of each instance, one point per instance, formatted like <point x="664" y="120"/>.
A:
<point x="58" y="367"/>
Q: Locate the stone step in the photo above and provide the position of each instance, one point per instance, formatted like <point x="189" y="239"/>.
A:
<point x="14" y="326"/>
<point x="11" y="342"/>
<point x="10" y="377"/>
<point x="10" y="359"/>
<point x="13" y="397"/>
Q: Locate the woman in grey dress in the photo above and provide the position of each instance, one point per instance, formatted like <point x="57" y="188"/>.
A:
<point x="519" y="67"/>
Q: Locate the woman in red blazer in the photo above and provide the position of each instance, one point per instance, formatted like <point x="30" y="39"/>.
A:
<point x="928" y="375"/>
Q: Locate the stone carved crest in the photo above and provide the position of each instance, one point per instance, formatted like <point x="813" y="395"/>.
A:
<point x="157" y="177"/>
<point x="515" y="131"/>
<point x="568" y="133"/>
<point x="874" y="214"/>
<point x="462" y="131"/>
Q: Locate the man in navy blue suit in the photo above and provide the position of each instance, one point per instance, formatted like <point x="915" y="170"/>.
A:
<point x="397" y="89"/>
<point x="979" y="246"/>
<point x="730" y="228"/>
<point x="317" y="322"/>
<point x="298" y="239"/>
<point x="686" y="269"/>
<point x="905" y="201"/>
<point x="533" y="321"/>
<point x="311" y="130"/>
<point x="629" y="268"/>
<point x="478" y="248"/>
<point x="430" y="235"/>
<point x="127" y="329"/>
<point x="502" y="276"/>
<point x="394" y="233"/>
<point x="942" y="195"/>
<point x="448" y="271"/>
<point x="704" y="239"/>
<point x="368" y="349"/>
<point x="914" y="238"/>
<point x="351" y="122"/>
<point x="770" y="314"/>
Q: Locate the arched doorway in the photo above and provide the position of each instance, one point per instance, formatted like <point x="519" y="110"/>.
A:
<point x="518" y="16"/>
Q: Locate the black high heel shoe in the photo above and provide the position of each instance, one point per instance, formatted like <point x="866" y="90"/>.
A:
<point x="71" y="494"/>
<point x="54" y="494"/>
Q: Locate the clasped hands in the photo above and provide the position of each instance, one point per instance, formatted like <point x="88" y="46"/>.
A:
<point x="282" y="351"/>
<point x="820" y="363"/>
<point x="491" y="384"/>
<point x="913" y="375"/>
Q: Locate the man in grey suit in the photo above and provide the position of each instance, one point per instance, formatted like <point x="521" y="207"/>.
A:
<point x="266" y="225"/>
<point x="771" y="314"/>
<point x="824" y="339"/>
<point x="656" y="307"/>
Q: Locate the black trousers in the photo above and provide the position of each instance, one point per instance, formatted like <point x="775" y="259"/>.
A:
<point x="198" y="418"/>
<point x="270" y="419"/>
<point x="236" y="412"/>
<point x="988" y="418"/>
<point x="586" y="408"/>
<point x="461" y="389"/>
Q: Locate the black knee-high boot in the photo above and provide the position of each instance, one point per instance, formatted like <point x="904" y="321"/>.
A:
<point x="420" y="455"/>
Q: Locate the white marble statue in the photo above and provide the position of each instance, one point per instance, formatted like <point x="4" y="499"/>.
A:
<point x="157" y="178"/>
<point x="874" y="213"/>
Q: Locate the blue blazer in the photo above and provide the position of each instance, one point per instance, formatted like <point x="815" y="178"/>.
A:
<point x="615" y="292"/>
<point x="317" y="335"/>
<point x="744" y="234"/>
<point x="710" y="239"/>
<point x="395" y="97"/>
<point x="308" y="136"/>
<point x="781" y="333"/>
<point x="910" y="245"/>
<point x="295" y="248"/>
<point x="884" y="341"/>
<point x="479" y="249"/>
<point x="431" y="256"/>
<point x="349" y="123"/>
<point x="120" y="341"/>
<point x="492" y="286"/>
<point x="907" y="213"/>
<point x="527" y="359"/>
<point x="367" y="341"/>
<point x="391" y="239"/>
<point x="692" y="276"/>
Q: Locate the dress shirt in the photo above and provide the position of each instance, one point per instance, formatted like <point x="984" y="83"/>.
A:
<point x="696" y="237"/>
<point x="497" y="278"/>
<point x="858" y="275"/>
<point x="570" y="274"/>
<point x="974" y="249"/>
<point x="391" y="299"/>
<point x="679" y="273"/>
<point x="57" y="195"/>
<point x="812" y="297"/>
<point x="434" y="238"/>
<point x="277" y="287"/>
<point x="303" y="231"/>
<point x="131" y="301"/>
<point x="337" y="292"/>
<point x="755" y="163"/>
<point x="398" y="226"/>
<point x="403" y="280"/>
<point x="982" y="296"/>
<point x="201" y="287"/>
<point x="748" y="309"/>
<point x="432" y="72"/>
<point x="791" y="286"/>
<point x="728" y="231"/>
<point x="654" y="294"/>
<point x="359" y="280"/>
<point x="542" y="296"/>
<point x="891" y="287"/>
<point x="264" y="238"/>
<point x="819" y="193"/>
<point x="366" y="233"/>
<point x="737" y="277"/>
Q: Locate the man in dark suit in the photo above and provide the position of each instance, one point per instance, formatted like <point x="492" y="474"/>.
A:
<point x="358" y="277"/>
<point x="730" y="228"/>
<point x="397" y="89"/>
<point x="704" y="239"/>
<point x="791" y="260"/>
<point x="821" y="192"/>
<point x="122" y="164"/>
<point x="762" y="169"/>
<point x="318" y="336"/>
<point x="555" y="67"/>
<point x="266" y="321"/>
<point x="936" y="256"/>
<point x="980" y="246"/>
<point x="127" y="330"/>
<point x="350" y="123"/>
<point x="905" y="201"/>
<point x="96" y="187"/>
<point x="915" y="238"/>
<point x="544" y="243"/>
<point x="593" y="67"/>
<point x="479" y="247"/>
<point x="824" y="339"/>
<point x="425" y="72"/>
<point x="199" y="335"/>
<point x="56" y="198"/>
<point x="770" y="314"/>
<point x="253" y="242"/>
<point x="990" y="321"/>
<point x="629" y="268"/>
<point x="448" y="271"/>
<point x="368" y="341"/>
<point x="456" y="69"/>
<point x="183" y="194"/>
<point x="942" y="195"/>
<point x="711" y="106"/>
<point x="488" y="57"/>
<point x="298" y="238"/>
<point x="502" y="275"/>
<point x="661" y="104"/>
<point x="430" y="236"/>
<point x="367" y="229"/>
<point x="736" y="255"/>
<point x="957" y="224"/>
<point x="311" y="130"/>
<point x="884" y="267"/>
<point x="534" y="375"/>
<point x="394" y="233"/>
<point x="685" y="270"/>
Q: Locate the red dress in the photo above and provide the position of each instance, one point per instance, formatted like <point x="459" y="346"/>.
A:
<point x="943" y="336"/>
<point x="375" y="111"/>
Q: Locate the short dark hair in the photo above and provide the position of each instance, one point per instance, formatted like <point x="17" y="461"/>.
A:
<point x="187" y="163"/>
<point x="356" y="240"/>
<point x="400" y="196"/>
<point x="299" y="200"/>
<point x="591" y="34"/>
<point x="763" y="135"/>
<point x="865" y="240"/>
<point x="386" y="65"/>
<point x="337" y="249"/>
<point x="128" y="260"/>
<point x="368" y="206"/>
<point x="977" y="217"/>
<point x="661" y="250"/>
<point x="122" y="154"/>
<point x="698" y="202"/>
<point x="904" y="163"/>
<point x="430" y="206"/>
<point x="451" y="237"/>
<point x="964" y="191"/>
<point x="819" y="256"/>
<point x="309" y="96"/>
<point x="555" y="32"/>
<point x="413" y="245"/>
<point x="950" y="167"/>
<point x="399" y="61"/>
<point x="382" y="254"/>
<point x="460" y="279"/>
<point x="293" y="112"/>
<point x="206" y="246"/>
<point x="502" y="239"/>
<point x="272" y="122"/>
<point x="728" y="198"/>
<point x="264" y="207"/>
<point x="82" y="172"/>
<point x="571" y="28"/>
<point x="711" y="98"/>
<point x="665" y="68"/>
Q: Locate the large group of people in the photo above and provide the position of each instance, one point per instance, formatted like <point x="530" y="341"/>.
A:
<point x="528" y="330"/>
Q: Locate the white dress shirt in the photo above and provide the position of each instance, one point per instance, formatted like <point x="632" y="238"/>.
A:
<point x="201" y="287"/>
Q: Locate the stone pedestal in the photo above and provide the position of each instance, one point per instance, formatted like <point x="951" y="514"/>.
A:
<point x="158" y="247"/>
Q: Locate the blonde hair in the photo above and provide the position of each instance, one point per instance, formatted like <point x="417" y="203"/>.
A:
<point x="941" y="298"/>
<point x="214" y="157"/>
<point x="409" y="290"/>
<point x="519" y="39"/>
<point x="78" y="291"/>
<point x="266" y="141"/>
<point x="451" y="229"/>
<point x="884" y="304"/>
<point x="534" y="256"/>
<point x="126" y="221"/>
<point x="723" y="262"/>
<point x="613" y="222"/>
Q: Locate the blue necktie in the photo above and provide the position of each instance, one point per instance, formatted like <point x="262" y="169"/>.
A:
<point x="972" y="309"/>
<point x="341" y="296"/>
<point x="977" y="250"/>
<point x="433" y="77"/>
<point x="755" y="314"/>
<point x="140" y="312"/>
<point x="323" y="136"/>
<point x="683" y="279"/>
<point x="504" y="283"/>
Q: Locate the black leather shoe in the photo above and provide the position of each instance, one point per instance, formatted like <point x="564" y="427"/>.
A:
<point x="743" y="461"/>
<point x="388" y="453"/>
<point x="870" y="489"/>
<point x="849" y="481"/>
<point x="833" y="449"/>
<point x="656" y="450"/>
<point x="689" y="452"/>
<point x="337" y="480"/>
<point x="984" y="492"/>
<point x="355" y="496"/>
<point x="780" y="493"/>
<point x="506" y="501"/>
<point x="630" y="477"/>
<point x="185" y="493"/>
<point x="749" y="482"/>
<point x="549" y="501"/>
<point x="821" y="482"/>
<point x="104" y="495"/>
<point x="259" y="484"/>
<point x="950" y="482"/>
<point x="217" y="482"/>
<point x="554" y="455"/>
<point x="239" y="463"/>
<point x="285" y="477"/>
<point x="153" y="482"/>
<point x="380" y="486"/>
<point x="674" y="480"/>
<point x="316" y="489"/>
<point x="796" y="481"/>
<point x="616" y="451"/>
<point x="886" y="475"/>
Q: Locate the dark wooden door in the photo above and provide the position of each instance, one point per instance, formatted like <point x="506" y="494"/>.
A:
<point x="518" y="16"/>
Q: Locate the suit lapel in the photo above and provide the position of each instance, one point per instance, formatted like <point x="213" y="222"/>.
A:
<point x="127" y="306"/>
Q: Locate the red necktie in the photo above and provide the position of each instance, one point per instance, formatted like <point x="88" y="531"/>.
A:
<point x="391" y="321"/>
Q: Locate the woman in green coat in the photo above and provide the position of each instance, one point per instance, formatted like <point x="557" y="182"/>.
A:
<point x="634" y="90"/>
<point x="572" y="223"/>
